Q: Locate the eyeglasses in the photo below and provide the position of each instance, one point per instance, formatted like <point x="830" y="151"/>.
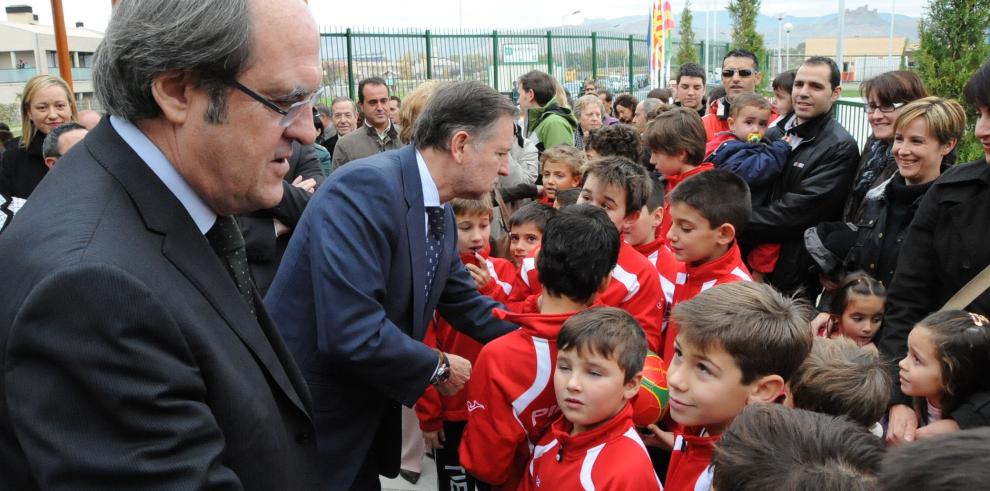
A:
<point x="870" y="108"/>
<point x="743" y="72"/>
<point x="288" y="115"/>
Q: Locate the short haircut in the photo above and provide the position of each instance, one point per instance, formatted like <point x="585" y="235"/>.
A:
<point x="535" y="213"/>
<point x="469" y="106"/>
<point x="834" y="78"/>
<point x="619" y="140"/>
<point x="677" y="129"/>
<point x="656" y="194"/>
<point x="657" y="111"/>
<point x="49" y="148"/>
<point x="858" y="282"/>
<point x="471" y="207"/>
<point x="841" y="378"/>
<point x="719" y="195"/>
<point x="396" y="99"/>
<point x="692" y="70"/>
<point x="567" y="197"/>
<point x="542" y="84"/>
<point x="624" y="174"/>
<point x="765" y="332"/>
<point x="581" y="103"/>
<point x="608" y="332"/>
<point x="957" y="460"/>
<point x="565" y="154"/>
<point x="607" y="94"/>
<point x="894" y="87"/>
<point x="748" y="99"/>
<point x="324" y="110"/>
<point x="962" y="343"/>
<point x="784" y="81"/>
<point x="945" y="118"/>
<point x="579" y="250"/>
<point x="742" y="53"/>
<point x="626" y="100"/>
<point x="651" y="103"/>
<point x="369" y="81"/>
<point x="338" y="100"/>
<point x="977" y="89"/>
<point x="769" y="446"/>
<point x="662" y="94"/>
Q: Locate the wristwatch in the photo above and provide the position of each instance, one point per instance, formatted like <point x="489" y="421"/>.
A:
<point x="442" y="373"/>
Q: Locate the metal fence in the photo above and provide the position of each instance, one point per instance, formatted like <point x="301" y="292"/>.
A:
<point x="852" y="117"/>
<point x="406" y="57"/>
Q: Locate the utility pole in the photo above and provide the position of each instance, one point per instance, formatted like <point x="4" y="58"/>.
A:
<point x="840" y="43"/>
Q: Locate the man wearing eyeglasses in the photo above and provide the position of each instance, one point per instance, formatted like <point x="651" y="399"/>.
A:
<point x="378" y="134"/>
<point x="137" y="352"/>
<point x="740" y="75"/>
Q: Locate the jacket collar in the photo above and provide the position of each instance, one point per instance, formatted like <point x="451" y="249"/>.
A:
<point x="545" y="326"/>
<point x="809" y="129"/>
<point x="976" y="170"/>
<point x="650" y="247"/>
<point x="721" y="267"/>
<point x="573" y="447"/>
<point x="485" y="253"/>
<point x="673" y="181"/>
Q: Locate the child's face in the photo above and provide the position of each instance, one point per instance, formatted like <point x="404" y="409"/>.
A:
<point x="522" y="239"/>
<point x="557" y="176"/>
<point x="590" y="388"/>
<point x="644" y="230"/>
<point x="862" y="317"/>
<point x="668" y="164"/>
<point x="781" y="101"/>
<point x="692" y="238"/>
<point x="921" y="372"/>
<point x="610" y="198"/>
<point x="706" y="388"/>
<point x="473" y="232"/>
<point x="750" y="120"/>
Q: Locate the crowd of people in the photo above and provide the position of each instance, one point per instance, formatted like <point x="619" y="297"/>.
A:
<point x="226" y="284"/>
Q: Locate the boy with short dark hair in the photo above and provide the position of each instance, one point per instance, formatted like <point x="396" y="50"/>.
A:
<point x="708" y="211"/>
<point x="645" y="238"/>
<point x="594" y="445"/>
<point x="510" y="401"/>
<point x="782" y="86"/>
<point x="619" y="140"/>
<point x="957" y="460"/>
<point x="526" y="231"/>
<point x="738" y="345"/>
<point x="442" y="418"/>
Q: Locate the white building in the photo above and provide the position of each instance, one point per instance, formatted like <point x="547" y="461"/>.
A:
<point x="28" y="49"/>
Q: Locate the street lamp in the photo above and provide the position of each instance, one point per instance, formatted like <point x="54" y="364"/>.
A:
<point x="780" y="27"/>
<point x="788" y="27"/>
<point x="563" y="23"/>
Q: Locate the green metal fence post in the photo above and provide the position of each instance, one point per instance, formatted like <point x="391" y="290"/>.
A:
<point x="495" y="59"/>
<point x="630" y="63"/>
<point x="429" y="55"/>
<point x="350" y="64"/>
<point x="594" y="56"/>
<point x="550" y="52"/>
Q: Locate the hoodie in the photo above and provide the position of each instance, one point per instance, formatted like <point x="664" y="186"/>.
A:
<point x="552" y="125"/>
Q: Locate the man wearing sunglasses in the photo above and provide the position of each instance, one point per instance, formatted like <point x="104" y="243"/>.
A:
<point x="740" y="75"/>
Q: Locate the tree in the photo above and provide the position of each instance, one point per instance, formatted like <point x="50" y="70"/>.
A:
<point x="953" y="46"/>
<point x="744" y="33"/>
<point x="687" y="53"/>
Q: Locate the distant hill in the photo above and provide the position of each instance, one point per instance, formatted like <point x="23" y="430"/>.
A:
<point x="859" y="22"/>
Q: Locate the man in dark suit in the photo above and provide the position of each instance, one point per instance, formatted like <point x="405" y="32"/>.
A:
<point x="374" y="254"/>
<point x="136" y="353"/>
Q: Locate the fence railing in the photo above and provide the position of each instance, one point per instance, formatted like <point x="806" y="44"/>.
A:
<point x="16" y="75"/>
<point x="852" y="117"/>
<point x="406" y="58"/>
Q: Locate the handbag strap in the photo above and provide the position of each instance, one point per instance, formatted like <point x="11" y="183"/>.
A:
<point x="503" y="209"/>
<point x="974" y="288"/>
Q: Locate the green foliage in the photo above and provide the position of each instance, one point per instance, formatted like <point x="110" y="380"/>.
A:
<point x="953" y="46"/>
<point x="744" y="33"/>
<point x="687" y="52"/>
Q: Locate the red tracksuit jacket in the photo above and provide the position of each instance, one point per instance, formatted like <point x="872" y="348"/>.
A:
<point x="432" y="409"/>
<point x="690" y="462"/>
<point x="695" y="279"/>
<point x="611" y="457"/>
<point x="662" y="258"/>
<point x="634" y="288"/>
<point x="511" y="399"/>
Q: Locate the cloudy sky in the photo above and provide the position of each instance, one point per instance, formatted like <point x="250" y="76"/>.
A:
<point x="487" y="15"/>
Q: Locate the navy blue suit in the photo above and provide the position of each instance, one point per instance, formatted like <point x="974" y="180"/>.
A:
<point x="350" y="302"/>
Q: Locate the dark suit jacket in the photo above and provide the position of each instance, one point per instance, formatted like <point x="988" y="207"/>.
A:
<point x="350" y="302"/>
<point x="131" y="361"/>
<point x="264" y="249"/>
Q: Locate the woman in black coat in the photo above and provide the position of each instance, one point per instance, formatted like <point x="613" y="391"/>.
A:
<point x="47" y="103"/>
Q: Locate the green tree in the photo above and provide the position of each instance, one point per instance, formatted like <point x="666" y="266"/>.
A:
<point x="953" y="46"/>
<point x="744" y="33"/>
<point x="687" y="52"/>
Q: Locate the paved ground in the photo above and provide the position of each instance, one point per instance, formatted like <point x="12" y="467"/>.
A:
<point x="427" y="480"/>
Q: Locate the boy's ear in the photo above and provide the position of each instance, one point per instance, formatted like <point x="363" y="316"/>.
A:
<point x="726" y="234"/>
<point x="658" y="216"/>
<point x="765" y="390"/>
<point x="631" y="388"/>
<point x="682" y="155"/>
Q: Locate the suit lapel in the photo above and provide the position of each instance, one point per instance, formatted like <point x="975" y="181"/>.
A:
<point x="412" y="188"/>
<point x="187" y="249"/>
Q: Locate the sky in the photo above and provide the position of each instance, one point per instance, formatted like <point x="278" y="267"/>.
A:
<point x="475" y="14"/>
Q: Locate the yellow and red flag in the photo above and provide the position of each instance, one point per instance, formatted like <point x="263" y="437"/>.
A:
<point x="661" y="23"/>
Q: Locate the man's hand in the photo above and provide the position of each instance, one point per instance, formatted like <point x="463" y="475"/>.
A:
<point x="308" y="185"/>
<point x="434" y="439"/>
<point x="479" y="274"/>
<point x="940" y="427"/>
<point x="902" y="426"/>
<point x="658" y="438"/>
<point x="460" y="372"/>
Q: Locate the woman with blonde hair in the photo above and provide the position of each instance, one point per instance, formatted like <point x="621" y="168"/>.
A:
<point x="46" y="104"/>
<point x="412" y="105"/>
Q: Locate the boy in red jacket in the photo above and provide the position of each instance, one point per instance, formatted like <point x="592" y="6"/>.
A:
<point x="646" y="239"/>
<point x="708" y="211"/>
<point x="510" y="398"/>
<point x="738" y="345"/>
<point x="442" y="418"/>
<point x="594" y="445"/>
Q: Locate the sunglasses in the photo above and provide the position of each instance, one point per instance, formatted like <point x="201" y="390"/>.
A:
<point x="743" y="72"/>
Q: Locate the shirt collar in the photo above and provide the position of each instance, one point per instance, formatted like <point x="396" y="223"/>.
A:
<point x="202" y="215"/>
<point x="375" y="130"/>
<point x="431" y="195"/>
